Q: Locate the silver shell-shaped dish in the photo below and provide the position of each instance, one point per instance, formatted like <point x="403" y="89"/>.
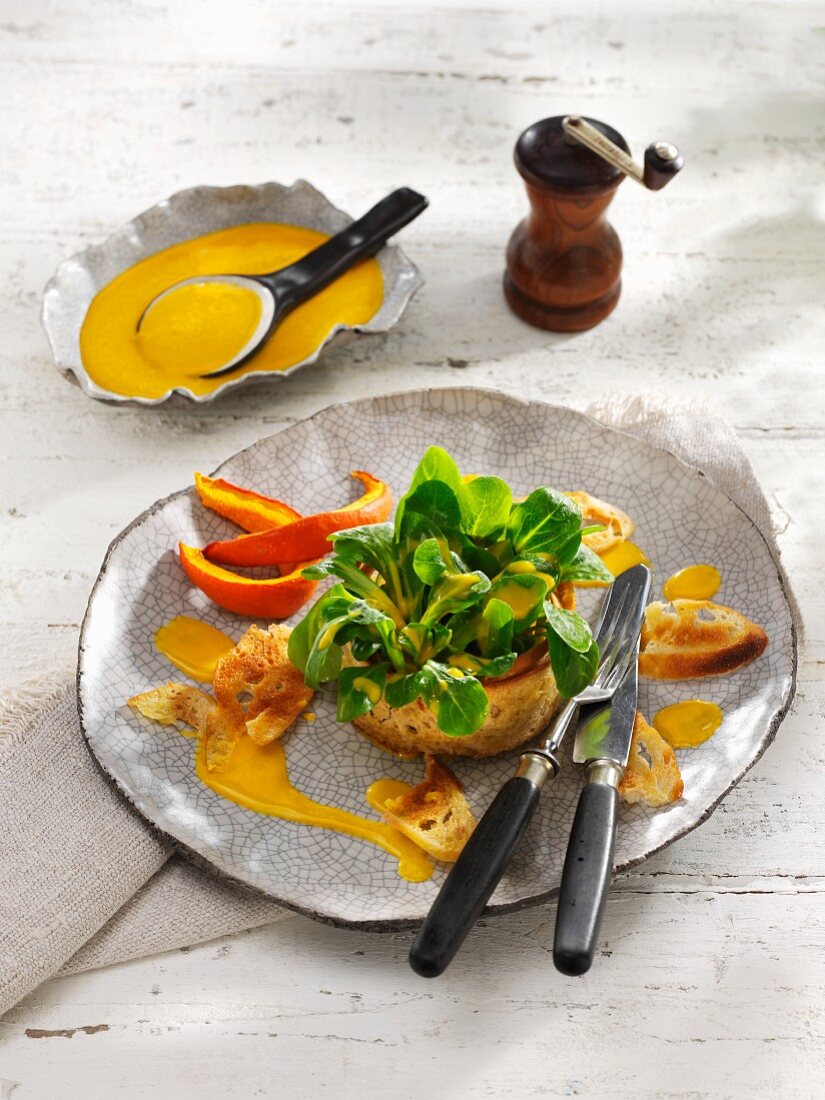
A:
<point x="181" y="217"/>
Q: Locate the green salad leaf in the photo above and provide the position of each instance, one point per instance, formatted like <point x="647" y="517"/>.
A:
<point x="359" y="689"/>
<point x="485" y="506"/>
<point x="451" y="592"/>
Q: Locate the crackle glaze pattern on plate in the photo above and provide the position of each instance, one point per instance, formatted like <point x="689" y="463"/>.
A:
<point x="181" y="217"/>
<point x="681" y="518"/>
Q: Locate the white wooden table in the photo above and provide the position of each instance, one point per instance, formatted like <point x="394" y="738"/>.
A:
<point x="711" y="979"/>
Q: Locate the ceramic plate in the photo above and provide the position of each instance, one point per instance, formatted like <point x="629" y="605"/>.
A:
<point x="681" y="518"/>
<point x="188" y="214"/>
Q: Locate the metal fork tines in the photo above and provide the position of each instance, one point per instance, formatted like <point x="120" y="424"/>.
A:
<point x="617" y="634"/>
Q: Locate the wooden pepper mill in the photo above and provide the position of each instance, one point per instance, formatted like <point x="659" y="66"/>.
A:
<point x="564" y="261"/>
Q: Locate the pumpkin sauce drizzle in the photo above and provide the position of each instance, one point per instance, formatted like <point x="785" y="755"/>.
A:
<point x="695" y="582"/>
<point x="257" y="776"/>
<point x="193" y="646"/>
<point x="692" y="722"/>
<point x="688" y="724"/>
<point x="624" y="556"/>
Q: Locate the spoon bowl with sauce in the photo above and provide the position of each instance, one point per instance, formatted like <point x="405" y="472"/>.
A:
<point x="278" y="292"/>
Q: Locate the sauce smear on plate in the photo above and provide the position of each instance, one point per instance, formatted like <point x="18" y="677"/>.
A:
<point x="695" y="582"/>
<point x="257" y="776"/>
<point x="686" y="725"/>
<point x="624" y="556"/>
<point x="193" y="646"/>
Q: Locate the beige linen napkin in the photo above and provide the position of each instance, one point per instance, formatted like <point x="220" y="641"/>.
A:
<point x="84" y="881"/>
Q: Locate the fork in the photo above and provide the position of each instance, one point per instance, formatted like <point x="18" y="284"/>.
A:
<point x="490" y="848"/>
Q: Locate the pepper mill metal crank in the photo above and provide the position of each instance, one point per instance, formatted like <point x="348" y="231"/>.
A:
<point x="564" y="260"/>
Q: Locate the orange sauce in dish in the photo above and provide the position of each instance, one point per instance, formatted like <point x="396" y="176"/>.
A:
<point x="257" y="776"/>
<point x="686" y="725"/>
<point x="199" y="327"/>
<point x="624" y="556"/>
<point x="695" y="582"/>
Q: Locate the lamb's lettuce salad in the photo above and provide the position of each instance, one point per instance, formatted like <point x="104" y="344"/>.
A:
<point x="450" y="593"/>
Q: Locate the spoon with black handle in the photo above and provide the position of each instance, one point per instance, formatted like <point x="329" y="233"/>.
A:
<point x="283" y="290"/>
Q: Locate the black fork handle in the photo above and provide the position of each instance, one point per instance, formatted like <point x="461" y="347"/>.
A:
<point x="477" y="871"/>
<point x="309" y="275"/>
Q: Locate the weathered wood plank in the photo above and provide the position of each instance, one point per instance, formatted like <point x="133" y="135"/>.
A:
<point x="712" y="995"/>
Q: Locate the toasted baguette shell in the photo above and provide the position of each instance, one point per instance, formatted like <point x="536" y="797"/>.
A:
<point x="223" y="731"/>
<point x="696" y="638"/>
<point x="259" y="667"/>
<point x="656" y="783"/>
<point x="435" y="814"/>
<point x="175" y="703"/>
<point x="521" y="705"/>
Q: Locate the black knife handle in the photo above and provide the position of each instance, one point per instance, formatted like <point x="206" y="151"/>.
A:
<point x="474" y="877"/>
<point x="586" y="877"/>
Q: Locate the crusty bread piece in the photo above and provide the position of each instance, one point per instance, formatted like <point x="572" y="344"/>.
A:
<point x="175" y="703"/>
<point x="434" y="814"/>
<point x="218" y="728"/>
<point x="259" y="667"/>
<point x="696" y="638"/>
<point x="223" y="731"/>
<point x="617" y="524"/>
<point x="258" y="691"/>
<point x="656" y="783"/>
<point x="521" y="705"/>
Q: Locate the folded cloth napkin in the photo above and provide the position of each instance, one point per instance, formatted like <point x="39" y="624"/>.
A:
<point x="84" y="881"/>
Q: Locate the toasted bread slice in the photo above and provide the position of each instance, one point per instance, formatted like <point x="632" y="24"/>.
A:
<point x="258" y="685"/>
<point x="175" y="703"/>
<point x="434" y="814"/>
<point x="617" y="524"/>
<point x="655" y="783"/>
<point x="223" y="731"/>
<point x="218" y="728"/>
<point x="696" y="638"/>
<point x="521" y="705"/>
<point x="258" y="691"/>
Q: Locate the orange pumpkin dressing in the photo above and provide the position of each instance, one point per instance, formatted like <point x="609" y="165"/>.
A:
<point x="624" y="556"/>
<point x="211" y="321"/>
<point x="695" y="582"/>
<point x="193" y="646"/>
<point x="383" y="790"/>
<point x="686" y="725"/>
<point x="199" y="327"/>
<point x="257" y="777"/>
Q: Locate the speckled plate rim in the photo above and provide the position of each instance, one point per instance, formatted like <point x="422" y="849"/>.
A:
<point x="402" y="279"/>
<point x="403" y="924"/>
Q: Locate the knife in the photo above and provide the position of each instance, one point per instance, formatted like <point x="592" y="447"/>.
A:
<point x="602" y="744"/>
